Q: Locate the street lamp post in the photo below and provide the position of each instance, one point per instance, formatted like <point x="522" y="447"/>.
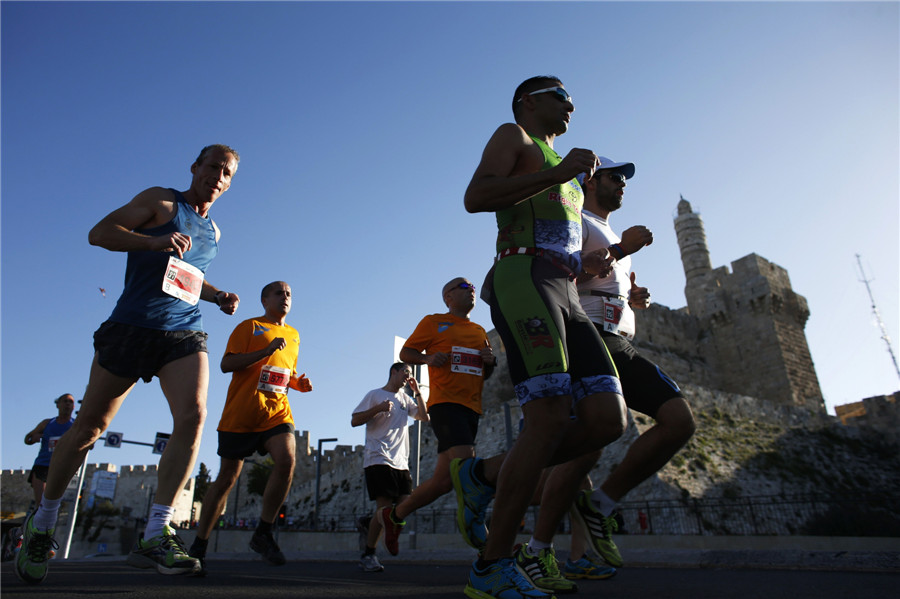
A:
<point x="318" y="477"/>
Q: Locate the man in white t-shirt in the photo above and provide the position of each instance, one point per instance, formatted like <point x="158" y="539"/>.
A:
<point x="609" y="302"/>
<point x="385" y="412"/>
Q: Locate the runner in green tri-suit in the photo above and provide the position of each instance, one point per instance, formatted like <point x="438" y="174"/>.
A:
<point x="557" y="360"/>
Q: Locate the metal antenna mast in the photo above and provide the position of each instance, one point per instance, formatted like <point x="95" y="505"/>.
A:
<point x="884" y="334"/>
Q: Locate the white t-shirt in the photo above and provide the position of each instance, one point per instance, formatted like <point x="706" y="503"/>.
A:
<point x="596" y="234"/>
<point x="387" y="439"/>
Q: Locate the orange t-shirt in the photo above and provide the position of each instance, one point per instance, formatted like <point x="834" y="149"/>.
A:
<point x="257" y="396"/>
<point x="459" y="380"/>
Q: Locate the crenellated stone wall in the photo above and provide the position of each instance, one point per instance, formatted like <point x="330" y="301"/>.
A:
<point x="750" y="322"/>
<point x="135" y="490"/>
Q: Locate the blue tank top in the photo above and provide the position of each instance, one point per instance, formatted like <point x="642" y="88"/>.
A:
<point x="143" y="302"/>
<point x="52" y="432"/>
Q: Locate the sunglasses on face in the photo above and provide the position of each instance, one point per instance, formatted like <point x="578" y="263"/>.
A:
<point x="558" y="92"/>
<point x="465" y="286"/>
<point x="615" y="176"/>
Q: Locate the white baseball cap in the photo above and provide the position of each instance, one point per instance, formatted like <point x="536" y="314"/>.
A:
<point x="626" y="168"/>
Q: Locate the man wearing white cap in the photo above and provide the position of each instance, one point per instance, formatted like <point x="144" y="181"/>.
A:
<point x="609" y="302"/>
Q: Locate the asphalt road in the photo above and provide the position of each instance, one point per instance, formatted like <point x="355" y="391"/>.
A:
<point x="251" y="579"/>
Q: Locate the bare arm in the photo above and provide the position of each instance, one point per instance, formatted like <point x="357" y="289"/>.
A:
<point x="301" y="383"/>
<point x="414" y="356"/>
<point x="150" y="208"/>
<point x="35" y="435"/>
<point x="421" y="409"/>
<point x="634" y="238"/>
<point x="488" y="359"/>
<point x="510" y="170"/>
<point x="227" y="302"/>
<point x="233" y="362"/>
<point x="360" y="418"/>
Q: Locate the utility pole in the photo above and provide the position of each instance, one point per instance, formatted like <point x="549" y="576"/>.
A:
<point x="318" y="478"/>
<point x="884" y="334"/>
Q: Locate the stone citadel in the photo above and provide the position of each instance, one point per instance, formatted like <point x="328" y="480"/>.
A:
<point x="739" y="344"/>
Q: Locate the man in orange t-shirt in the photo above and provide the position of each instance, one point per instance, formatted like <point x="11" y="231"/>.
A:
<point x="262" y="356"/>
<point x="459" y="359"/>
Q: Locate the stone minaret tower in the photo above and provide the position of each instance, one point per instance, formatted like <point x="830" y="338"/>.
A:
<point x="750" y="321"/>
<point x="699" y="285"/>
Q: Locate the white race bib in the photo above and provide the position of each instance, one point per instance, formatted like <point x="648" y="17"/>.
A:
<point x="465" y="360"/>
<point x="51" y="443"/>
<point x="613" y="309"/>
<point x="183" y="281"/>
<point x="274" y="379"/>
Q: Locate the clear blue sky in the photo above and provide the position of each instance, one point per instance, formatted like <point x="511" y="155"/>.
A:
<point x="359" y="126"/>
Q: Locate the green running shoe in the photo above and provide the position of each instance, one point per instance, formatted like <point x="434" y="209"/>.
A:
<point x="598" y="528"/>
<point x="165" y="552"/>
<point x="37" y="546"/>
<point x="543" y="570"/>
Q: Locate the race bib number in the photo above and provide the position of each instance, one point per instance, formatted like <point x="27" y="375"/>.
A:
<point x="183" y="281"/>
<point x="274" y="379"/>
<point x="465" y="360"/>
<point x="613" y="309"/>
<point x="51" y="443"/>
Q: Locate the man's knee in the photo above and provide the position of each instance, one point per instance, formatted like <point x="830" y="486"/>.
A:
<point x="85" y="432"/>
<point x="284" y="468"/>
<point x="282" y="448"/>
<point x="441" y="481"/>
<point x="226" y="481"/>
<point x="190" y="419"/>
<point x="603" y="418"/>
<point x="676" y="420"/>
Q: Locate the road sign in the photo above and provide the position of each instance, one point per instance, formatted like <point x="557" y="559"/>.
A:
<point x="104" y="484"/>
<point x="159" y="445"/>
<point x="113" y="439"/>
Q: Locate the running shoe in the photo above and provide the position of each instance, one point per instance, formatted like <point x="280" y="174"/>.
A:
<point x="392" y="530"/>
<point x="598" y="528"/>
<point x="31" y="561"/>
<point x="588" y="570"/>
<point x="264" y="544"/>
<point x="198" y="552"/>
<point x="165" y="552"/>
<point x="472" y="500"/>
<point x="503" y="581"/>
<point x="370" y="563"/>
<point x="543" y="570"/>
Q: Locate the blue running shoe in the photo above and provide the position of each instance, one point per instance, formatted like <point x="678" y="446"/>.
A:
<point x="472" y="500"/>
<point x="583" y="568"/>
<point x="501" y="580"/>
<point x="31" y="561"/>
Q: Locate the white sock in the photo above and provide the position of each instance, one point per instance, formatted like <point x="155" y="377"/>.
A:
<point x="602" y="502"/>
<point x="160" y="516"/>
<point x="46" y="514"/>
<point x="535" y="546"/>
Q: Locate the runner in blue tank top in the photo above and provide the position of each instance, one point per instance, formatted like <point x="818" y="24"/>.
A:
<point x="155" y="330"/>
<point x="48" y="432"/>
